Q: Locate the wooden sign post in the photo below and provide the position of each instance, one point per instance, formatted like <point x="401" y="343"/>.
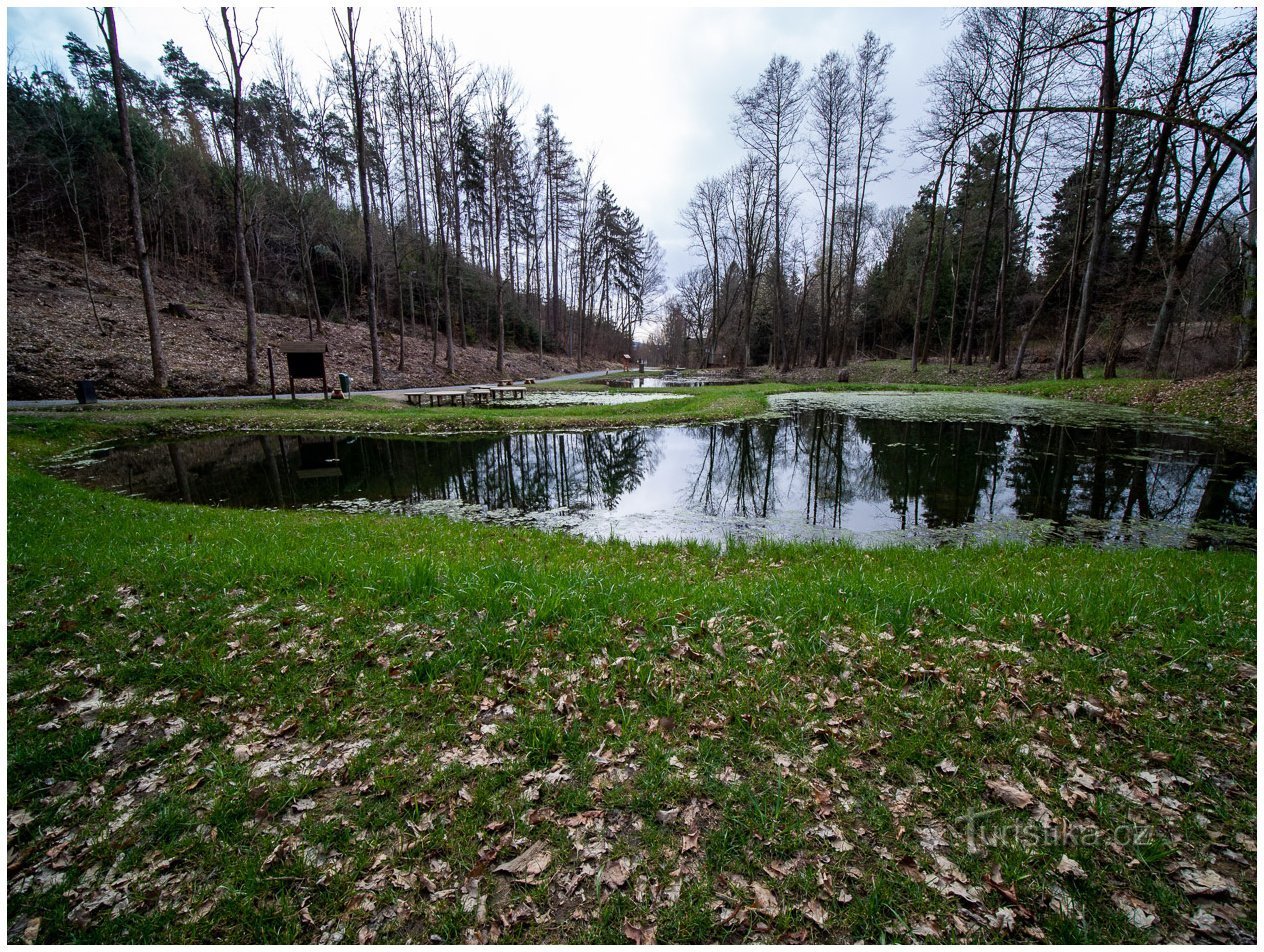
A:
<point x="305" y="360"/>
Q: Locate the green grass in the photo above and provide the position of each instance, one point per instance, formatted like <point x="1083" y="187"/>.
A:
<point x="281" y="726"/>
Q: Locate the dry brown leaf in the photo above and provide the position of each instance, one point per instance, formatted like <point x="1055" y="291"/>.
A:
<point x="1010" y="794"/>
<point x="765" y="901"/>
<point x="947" y="767"/>
<point x="640" y="935"/>
<point x="1069" y="867"/>
<point x="1204" y="882"/>
<point x="1137" y="912"/>
<point x="529" y="865"/>
<point x="616" y="874"/>
<point x="815" y="911"/>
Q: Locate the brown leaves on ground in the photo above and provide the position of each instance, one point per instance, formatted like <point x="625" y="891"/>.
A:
<point x="1010" y="794"/>
<point x="543" y="865"/>
<point x="528" y="867"/>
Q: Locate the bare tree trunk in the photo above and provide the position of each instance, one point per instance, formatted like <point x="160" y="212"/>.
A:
<point x="1097" y="245"/>
<point x="1153" y="189"/>
<point x="976" y="278"/>
<point x="133" y="195"/>
<point x="235" y="57"/>
<point x="930" y="240"/>
<point x="357" y="100"/>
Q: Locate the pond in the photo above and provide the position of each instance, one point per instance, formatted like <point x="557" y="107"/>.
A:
<point x="670" y="380"/>
<point x="870" y="468"/>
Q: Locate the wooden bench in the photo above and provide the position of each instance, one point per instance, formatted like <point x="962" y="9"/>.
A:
<point x="436" y="397"/>
<point x="508" y="392"/>
<point x="479" y="396"/>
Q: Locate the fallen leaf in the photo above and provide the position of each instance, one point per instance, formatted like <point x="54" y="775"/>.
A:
<point x="1203" y="882"/>
<point x="1010" y="794"/>
<point x="640" y="935"/>
<point x="1004" y="919"/>
<point x="1069" y="867"/>
<point x="19" y="819"/>
<point x="1136" y="912"/>
<point x="765" y="901"/>
<point x="1202" y="920"/>
<point x="529" y="865"/>
<point x="815" y="911"/>
<point x="616" y="874"/>
<point x="947" y="767"/>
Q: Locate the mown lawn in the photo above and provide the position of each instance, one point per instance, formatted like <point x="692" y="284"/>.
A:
<point x="287" y="727"/>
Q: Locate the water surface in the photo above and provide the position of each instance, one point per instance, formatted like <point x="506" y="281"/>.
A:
<point x="870" y="468"/>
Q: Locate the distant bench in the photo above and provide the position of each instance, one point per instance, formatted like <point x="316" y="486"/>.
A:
<point x="480" y="396"/>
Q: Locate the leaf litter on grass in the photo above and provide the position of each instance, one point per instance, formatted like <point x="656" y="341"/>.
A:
<point x="548" y="847"/>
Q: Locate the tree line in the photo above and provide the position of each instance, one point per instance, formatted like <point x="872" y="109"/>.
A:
<point x="1091" y="174"/>
<point x="403" y="187"/>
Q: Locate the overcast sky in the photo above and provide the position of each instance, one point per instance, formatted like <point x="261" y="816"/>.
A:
<point x="650" y="88"/>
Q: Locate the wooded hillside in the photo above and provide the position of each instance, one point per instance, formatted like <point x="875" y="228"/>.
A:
<point x="400" y="191"/>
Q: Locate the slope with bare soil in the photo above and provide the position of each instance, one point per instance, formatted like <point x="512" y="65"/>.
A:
<point x="54" y="340"/>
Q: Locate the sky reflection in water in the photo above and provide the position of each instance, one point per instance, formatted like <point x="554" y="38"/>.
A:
<point x="846" y="467"/>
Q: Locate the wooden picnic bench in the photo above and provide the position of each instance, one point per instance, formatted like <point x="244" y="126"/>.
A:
<point x="480" y="396"/>
<point x="436" y="397"/>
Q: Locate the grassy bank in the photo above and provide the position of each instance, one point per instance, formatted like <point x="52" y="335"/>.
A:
<point x="293" y="726"/>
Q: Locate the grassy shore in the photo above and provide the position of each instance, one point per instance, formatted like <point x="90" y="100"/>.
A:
<point x="292" y="726"/>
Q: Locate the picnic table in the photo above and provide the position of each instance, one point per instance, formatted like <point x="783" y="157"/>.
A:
<point x="436" y="397"/>
<point x="480" y="396"/>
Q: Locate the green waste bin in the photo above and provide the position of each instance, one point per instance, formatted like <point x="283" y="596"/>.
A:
<point x="344" y="384"/>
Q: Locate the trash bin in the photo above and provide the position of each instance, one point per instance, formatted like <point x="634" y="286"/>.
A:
<point x="344" y="384"/>
<point x="86" y="391"/>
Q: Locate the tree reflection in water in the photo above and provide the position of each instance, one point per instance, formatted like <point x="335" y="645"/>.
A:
<point x="817" y="472"/>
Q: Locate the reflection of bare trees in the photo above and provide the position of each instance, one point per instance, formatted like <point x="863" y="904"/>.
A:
<point x="535" y="471"/>
<point x="1098" y="484"/>
<point x="738" y="468"/>
<point x="822" y="438"/>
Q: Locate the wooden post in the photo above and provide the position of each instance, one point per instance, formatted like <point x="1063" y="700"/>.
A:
<point x="271" y="374"/>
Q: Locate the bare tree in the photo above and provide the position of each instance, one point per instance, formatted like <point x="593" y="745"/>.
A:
<point x="749" y="202"/>
<point x="767" y="123"/>
<point x="831" y="99"/>
<point x="105" y="22"/>
<point x="232" y="51"/>
<point x="873" y="122"/>
<point x="703" y="218"/>
<point x="348" y="36"/>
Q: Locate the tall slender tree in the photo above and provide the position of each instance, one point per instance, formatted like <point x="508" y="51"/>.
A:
<point x="347" y="34"/>
<point x="232" y="52"/>
<point x="767" y="123"/>
<point x="105" y="22"/>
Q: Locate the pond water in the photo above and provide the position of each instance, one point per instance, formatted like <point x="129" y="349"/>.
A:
<point x="870" y="468"/>
<point x="660" y="382"/>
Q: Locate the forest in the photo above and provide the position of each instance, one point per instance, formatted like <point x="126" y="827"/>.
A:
<point x="1088" y="196"/>
<point x="403" y="189"/>
<point x="1089" y="175"/>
